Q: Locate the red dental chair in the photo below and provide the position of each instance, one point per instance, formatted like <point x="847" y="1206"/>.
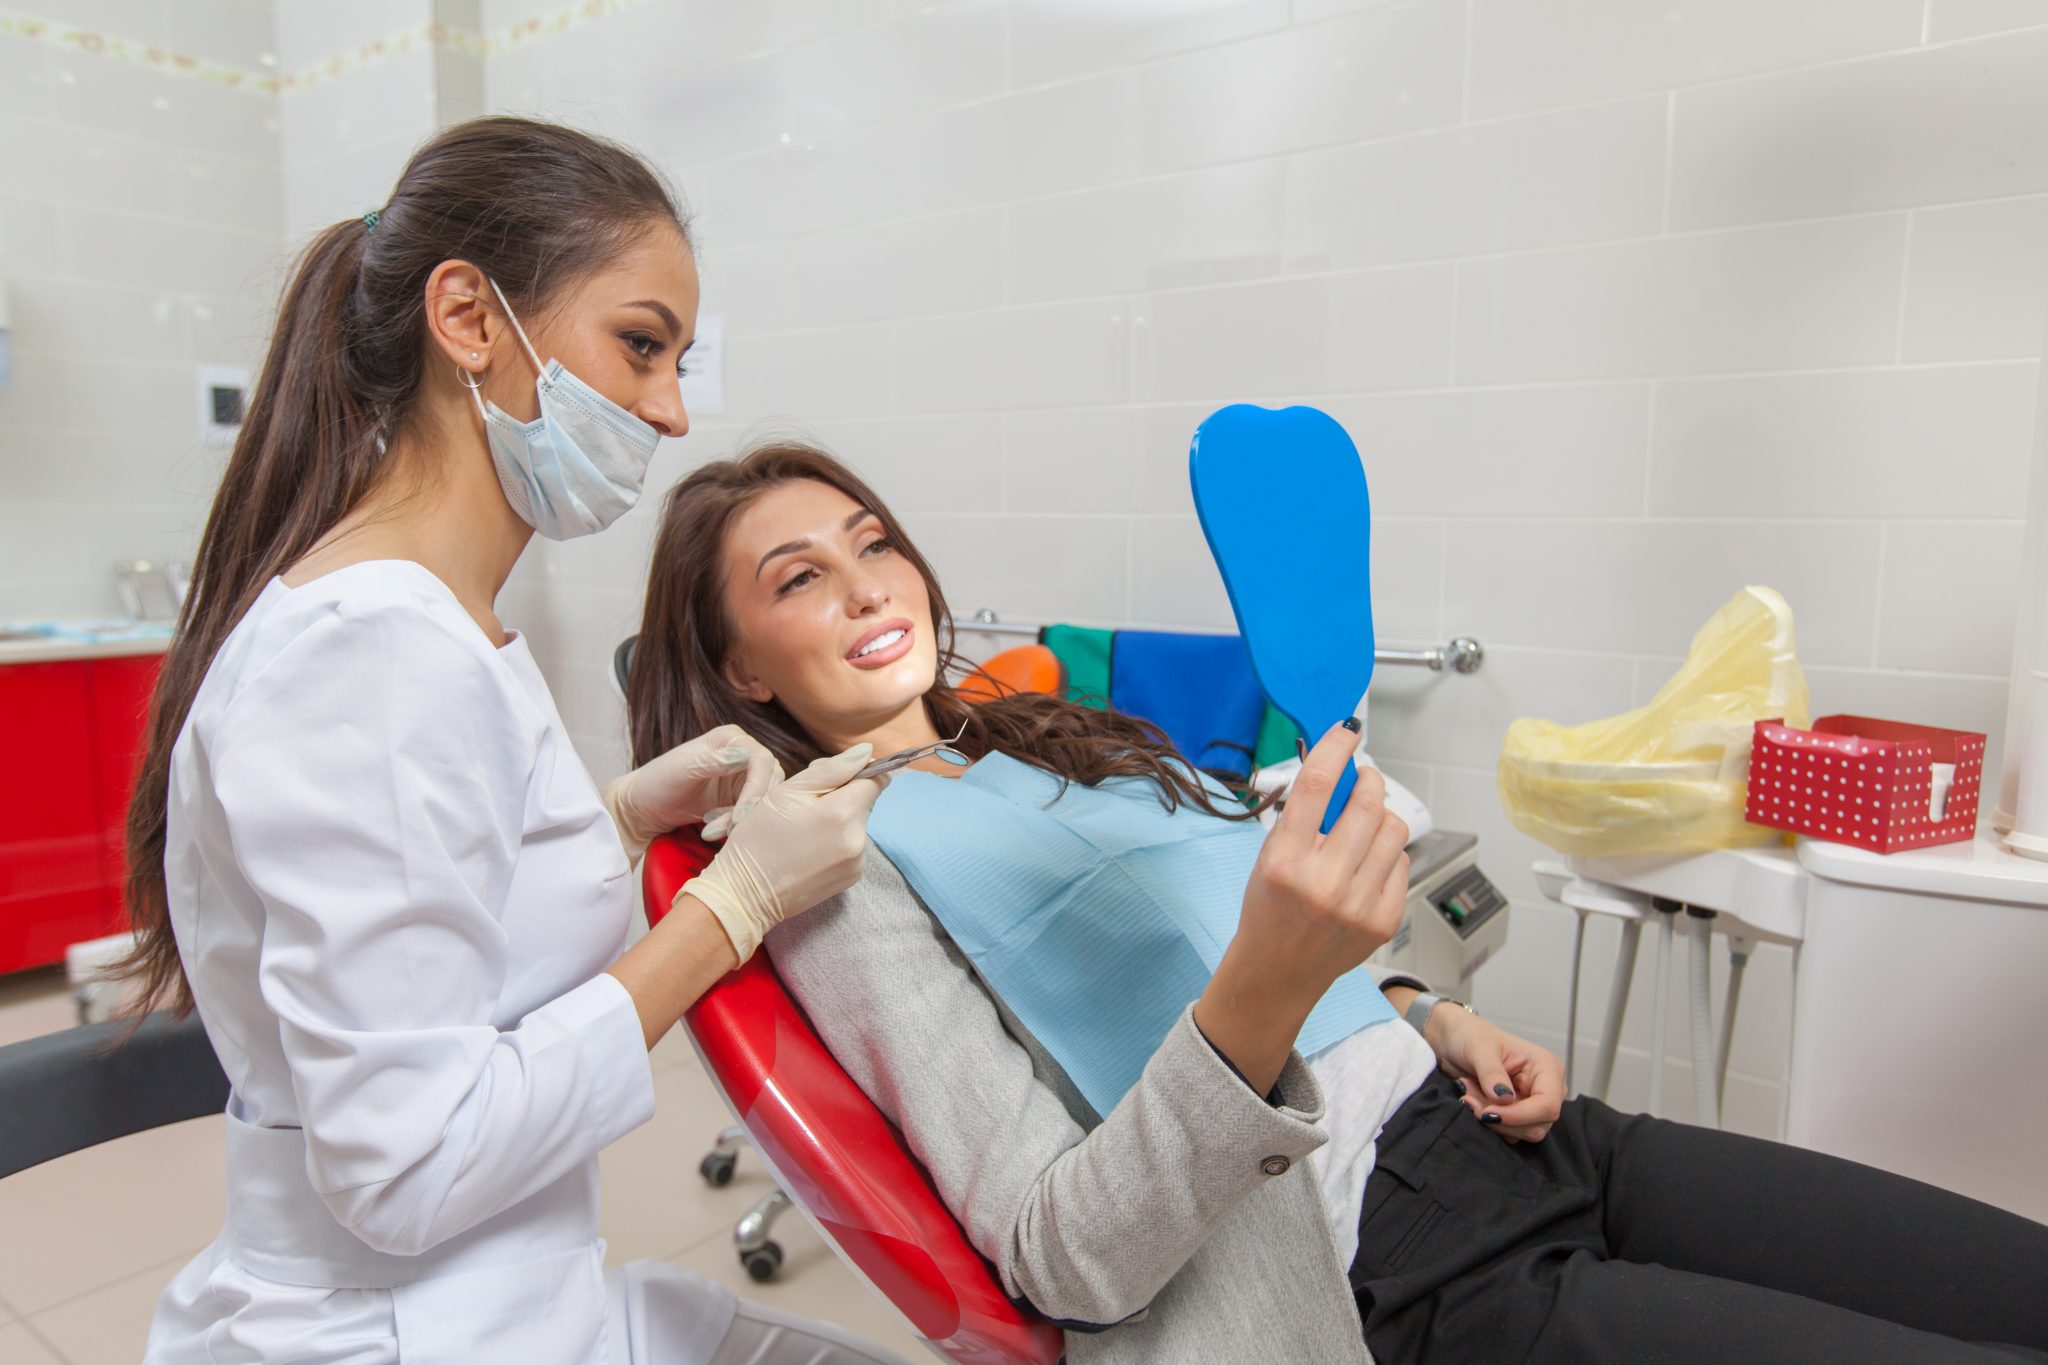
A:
<point x="828" y="1147"/>
<point x="832" y="1151"/>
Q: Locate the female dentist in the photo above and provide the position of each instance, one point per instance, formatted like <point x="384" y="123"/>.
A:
<point x="363" y="846"/>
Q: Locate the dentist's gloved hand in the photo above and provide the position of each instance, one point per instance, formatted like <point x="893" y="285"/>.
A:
<point x="799" y="844"/>
<point x="721" y="768"/>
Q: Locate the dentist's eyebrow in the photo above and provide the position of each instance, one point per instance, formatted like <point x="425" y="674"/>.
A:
<point x="661" y="310"/>
<point x="860" y="514"/>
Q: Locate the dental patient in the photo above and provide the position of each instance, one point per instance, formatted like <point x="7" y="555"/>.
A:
<point x="1076" y="981"/>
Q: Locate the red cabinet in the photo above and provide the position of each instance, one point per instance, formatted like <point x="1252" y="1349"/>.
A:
<point x="72" y="734"/>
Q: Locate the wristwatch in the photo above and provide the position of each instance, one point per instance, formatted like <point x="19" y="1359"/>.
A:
<point x="1417" y="1013"/>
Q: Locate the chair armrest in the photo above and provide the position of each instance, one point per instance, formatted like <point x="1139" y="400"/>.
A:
<point x="71" y="1090"/>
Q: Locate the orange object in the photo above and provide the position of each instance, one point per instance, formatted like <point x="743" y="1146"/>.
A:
<point x="1027" y="668"/>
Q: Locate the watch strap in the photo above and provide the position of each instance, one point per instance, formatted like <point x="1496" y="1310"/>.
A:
<point x="1417" y="1013"/>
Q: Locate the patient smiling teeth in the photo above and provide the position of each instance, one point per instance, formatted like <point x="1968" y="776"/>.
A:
<point x="885" y="644"/>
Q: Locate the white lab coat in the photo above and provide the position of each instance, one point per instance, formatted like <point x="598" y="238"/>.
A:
<point x="395" y="892"/>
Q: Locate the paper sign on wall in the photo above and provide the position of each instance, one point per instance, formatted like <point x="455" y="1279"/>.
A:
<point x="704" y="368"/>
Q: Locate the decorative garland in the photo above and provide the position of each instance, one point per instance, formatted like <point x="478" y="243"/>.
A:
<point x="91" y="43"/>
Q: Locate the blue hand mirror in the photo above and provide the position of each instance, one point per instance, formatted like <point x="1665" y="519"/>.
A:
<point x="1282" y="499"/>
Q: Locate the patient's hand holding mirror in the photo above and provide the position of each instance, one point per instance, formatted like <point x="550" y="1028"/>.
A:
<point x="1283" y="501"/>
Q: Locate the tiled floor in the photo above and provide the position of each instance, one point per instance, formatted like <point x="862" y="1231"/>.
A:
<point x="88" y="1242"/>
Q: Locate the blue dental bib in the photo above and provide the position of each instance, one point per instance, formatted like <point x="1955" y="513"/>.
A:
<point x="1096" y="915"/>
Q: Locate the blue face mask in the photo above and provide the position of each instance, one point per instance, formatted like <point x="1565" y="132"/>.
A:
<point x="576" y="468"/>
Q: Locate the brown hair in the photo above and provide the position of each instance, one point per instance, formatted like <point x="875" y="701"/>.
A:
<point x="677" y="686"/>
<point x="537" y="207"/>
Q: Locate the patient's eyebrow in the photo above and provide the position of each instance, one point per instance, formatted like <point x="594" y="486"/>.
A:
<point x="791" y="547"/>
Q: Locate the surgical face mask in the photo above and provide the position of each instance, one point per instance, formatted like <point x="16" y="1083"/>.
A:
<point x="576" y="468"/>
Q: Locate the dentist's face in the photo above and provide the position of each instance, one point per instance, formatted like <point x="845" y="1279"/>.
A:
<point x="622" y="330"/>
<point x="827" y="617"/>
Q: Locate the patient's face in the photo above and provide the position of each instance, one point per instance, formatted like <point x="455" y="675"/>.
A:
<point x="827" y="617"/>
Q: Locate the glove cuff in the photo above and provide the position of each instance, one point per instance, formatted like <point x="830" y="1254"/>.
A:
<point x="739" y="926"/>
<point x="631" y="833"/>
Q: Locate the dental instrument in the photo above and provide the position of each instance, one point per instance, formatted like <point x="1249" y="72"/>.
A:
<point x="1255" y="470"/>
<point x="941" y="749"/>
<point x="1739" y="949"/>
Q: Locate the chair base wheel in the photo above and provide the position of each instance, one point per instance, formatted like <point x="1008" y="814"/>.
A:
<point x="762" y="1262"/>
<point x="717" y="1168"/>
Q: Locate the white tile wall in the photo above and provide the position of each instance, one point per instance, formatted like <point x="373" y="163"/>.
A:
<point x="1386" y="71"/>
<point x="1060" y="39"/>
<point x="1359" y="331"/>
<point x="1537" y="54"/>
<point x="1202" y="227"/>
<point x="1625" y="305"/>
<point x="1931" y="126"/>
<point x="140" y="216"/>
<point x="1968" y="18"/>
<point x="1851" y="443"/>
<point x="1583" y="175"/>
<point x="1975" y="276"/>
<point x="346" y="139"/>
<point x="1797" y="296"/>
<point x="1950" y="592"/>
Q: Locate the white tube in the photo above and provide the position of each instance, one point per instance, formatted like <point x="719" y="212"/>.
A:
<point x="1571" y="1019"/>
<point x="2027" y="834"/>
<point x="2030" y="627"/>
<point x="1738" y="959"/>
<point x="1699" y="960"/>
<point x="1617" y="1007"/>
<point x="1665" y="930"/>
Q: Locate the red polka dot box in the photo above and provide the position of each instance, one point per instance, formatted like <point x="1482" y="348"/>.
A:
<point x="1877" y="784"/>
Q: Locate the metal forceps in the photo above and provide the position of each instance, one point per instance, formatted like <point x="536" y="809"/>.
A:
<point x="903" y="758"/>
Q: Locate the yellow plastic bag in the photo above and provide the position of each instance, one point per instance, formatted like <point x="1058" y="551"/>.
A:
<point x="1670" y="777"/>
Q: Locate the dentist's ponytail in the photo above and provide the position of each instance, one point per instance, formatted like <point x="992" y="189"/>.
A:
<point x="537" y="207"/>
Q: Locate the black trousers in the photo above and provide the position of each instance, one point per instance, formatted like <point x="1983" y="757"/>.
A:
<point x="1626" y="1238"/>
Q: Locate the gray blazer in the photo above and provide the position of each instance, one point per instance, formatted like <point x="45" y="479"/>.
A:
<point x="1185" y="1227"/>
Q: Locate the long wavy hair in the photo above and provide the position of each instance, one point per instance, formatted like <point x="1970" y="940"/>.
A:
<point x="538" y="207"/>
<point x="677" y="687"/>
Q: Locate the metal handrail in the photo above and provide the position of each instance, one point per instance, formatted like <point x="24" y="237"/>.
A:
<point x="1461" y="655"/>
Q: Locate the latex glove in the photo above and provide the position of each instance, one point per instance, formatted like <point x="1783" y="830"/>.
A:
<point x="725" y="767"/>
<point x="799" y="844"/>
<point x="1514" y="1086"/>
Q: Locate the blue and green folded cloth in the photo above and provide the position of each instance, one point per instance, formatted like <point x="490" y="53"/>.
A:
<point x="1199" y="689"/>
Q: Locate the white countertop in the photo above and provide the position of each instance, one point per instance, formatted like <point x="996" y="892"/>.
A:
<point x="1980" y="869"/>
<point x="1761" y="886"/>
<point x="60" y="641"/>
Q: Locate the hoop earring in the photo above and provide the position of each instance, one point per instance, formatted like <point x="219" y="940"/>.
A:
<point x="469" y="381"/>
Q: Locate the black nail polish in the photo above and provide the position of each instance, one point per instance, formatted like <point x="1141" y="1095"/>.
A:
<point x="1461" y="1087"/>
<point x="1301" y="749"/>
<point x="1351" y="724"/>
<point x="1489" y="1118"/>
<point x="1503" y="1091"/>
